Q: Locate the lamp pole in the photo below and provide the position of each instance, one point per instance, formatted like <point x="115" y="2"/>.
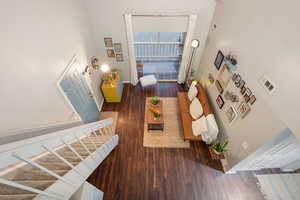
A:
<point x="194" y="45"/>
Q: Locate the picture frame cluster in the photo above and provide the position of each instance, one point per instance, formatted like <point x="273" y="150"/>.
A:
<point x="245" y="91"/>
<point x="248" y="97"/>
<point x="113" y="50"/>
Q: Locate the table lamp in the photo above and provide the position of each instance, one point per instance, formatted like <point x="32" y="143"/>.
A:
<point x="106" y="74"/>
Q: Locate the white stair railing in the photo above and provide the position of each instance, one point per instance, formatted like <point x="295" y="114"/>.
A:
<point x="158" y="50"/>
<point x="55" y="165"/>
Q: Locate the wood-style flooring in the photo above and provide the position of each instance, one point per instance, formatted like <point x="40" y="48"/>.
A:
<point x="133" y="172"/>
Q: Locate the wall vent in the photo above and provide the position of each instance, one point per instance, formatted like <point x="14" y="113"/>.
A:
<point x="268" y="84"/>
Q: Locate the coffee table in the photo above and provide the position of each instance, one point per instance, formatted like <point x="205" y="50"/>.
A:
<point x="158" y="123"/>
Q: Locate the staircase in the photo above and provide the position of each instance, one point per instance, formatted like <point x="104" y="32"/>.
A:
<point x="54" y="166"/>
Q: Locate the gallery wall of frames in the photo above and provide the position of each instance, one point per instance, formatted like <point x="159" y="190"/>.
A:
<point x="240" y="100"/>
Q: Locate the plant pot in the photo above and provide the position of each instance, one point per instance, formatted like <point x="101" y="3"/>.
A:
<point x="155" y="105"/>
<point x="216" y="152"/>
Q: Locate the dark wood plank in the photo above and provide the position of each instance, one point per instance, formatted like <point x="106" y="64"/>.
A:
<point x="136" y="173"/>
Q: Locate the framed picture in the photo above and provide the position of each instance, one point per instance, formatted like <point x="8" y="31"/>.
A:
<point x="211" y="78"/>
<point x="234" y="77"/>
<point x="220" y="102"/>
<point x="225" y="76"/>
<point x="248" y="92"/>
<point x="244" y="109"/>
<point x="219" y="87"/>
<point x="110" y="53"/>
<point x="242" y="83"/>
<point x="247" y="98"/>
<point x="108" y="42"/>
<point x="231" y="115"/>
<point x="119" y="57"/>
<point x="237" y="80"/>
<point x="219" y="59"/>
<point x="243" y="90"/>
<point x="118" y="47"/>
<point x="252" y="99"/>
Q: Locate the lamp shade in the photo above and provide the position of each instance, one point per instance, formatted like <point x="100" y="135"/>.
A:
<point x="195" y="43"/>
<point x="105" y="68"/>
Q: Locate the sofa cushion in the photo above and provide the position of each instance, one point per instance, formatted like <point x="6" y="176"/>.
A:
<point x="213" y="130"/>
<point x="203" y="100"/>
<point x="199" y="126"/>
<point x="193" y="91"/>
<point x="196" y="109"/>
<point x="187" y="128"/>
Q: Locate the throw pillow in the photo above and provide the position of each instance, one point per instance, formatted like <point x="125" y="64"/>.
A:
<point x="196" y="109"/>
<point x="199" y="126"/>
<point x="192" y="93"/>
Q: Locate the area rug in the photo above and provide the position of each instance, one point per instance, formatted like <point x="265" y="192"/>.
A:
<point x="113" y="115"/>
<point x="172" y="136"/>
<point x="280" y="186"/>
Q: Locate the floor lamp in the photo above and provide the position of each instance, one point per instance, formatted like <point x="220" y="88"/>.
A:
<point x="194" y="44"/>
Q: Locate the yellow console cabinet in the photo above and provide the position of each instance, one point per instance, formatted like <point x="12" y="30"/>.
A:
<point x="113" y="91"/>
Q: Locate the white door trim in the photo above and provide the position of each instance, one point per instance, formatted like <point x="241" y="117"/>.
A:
<point x="74" y="58"/>
<point x="186" y="52"/>
<point x="187" y="49"/>
<point x="129" y="31"/>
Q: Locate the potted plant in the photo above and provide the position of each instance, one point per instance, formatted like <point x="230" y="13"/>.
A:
<point x="155" y="112"/>
<point x="220" y="148"/>
<point x="155" y="101"/>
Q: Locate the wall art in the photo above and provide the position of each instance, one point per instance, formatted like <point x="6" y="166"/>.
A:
<point x="219" y="59"/>
<point x="231" y="115"/>
<point x="119" y="57"/>
<point x="211" y="78"/>
<point x="252" y="99"/>
<point x="108" y="42"/>
<point x="243" y="90"/>
<point x="237" y="80"/>
<point x="118" y="47"/>
<point x="110" y="53"/>
<point x="219" y="87"/>
<point x="244" y="109"/>
<point x="220" y="101"/>
<point x="225" y="76"/>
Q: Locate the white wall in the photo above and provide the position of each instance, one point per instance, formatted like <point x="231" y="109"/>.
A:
<point x="108" y="21"/>
<point x="38" y="39"/>
<point x="265" y="37"/>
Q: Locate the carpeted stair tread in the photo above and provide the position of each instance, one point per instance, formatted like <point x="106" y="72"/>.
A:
<point x="9" y="190"/>
<point x="54" y="165"/>
<point x="23" y="175"/>
<point x="52" y="158"/>
<point x="18" y="197"/>
<point x="41" y="185"/>
<point x="70" y="154"/>
<point x="81" y="148"/>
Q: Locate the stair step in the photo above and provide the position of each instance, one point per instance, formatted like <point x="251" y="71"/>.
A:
<point x="8" y="190"/>
<point x="18" y="197"/>
<point x="24" y="175"/>
<point x="70" y="154"/>
<point x="79" y="146"/>
<point x="54" y="165"/>
<point x="52" y="158"/>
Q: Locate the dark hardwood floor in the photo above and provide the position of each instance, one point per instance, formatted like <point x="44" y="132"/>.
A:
<point x="132" y="172"/>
